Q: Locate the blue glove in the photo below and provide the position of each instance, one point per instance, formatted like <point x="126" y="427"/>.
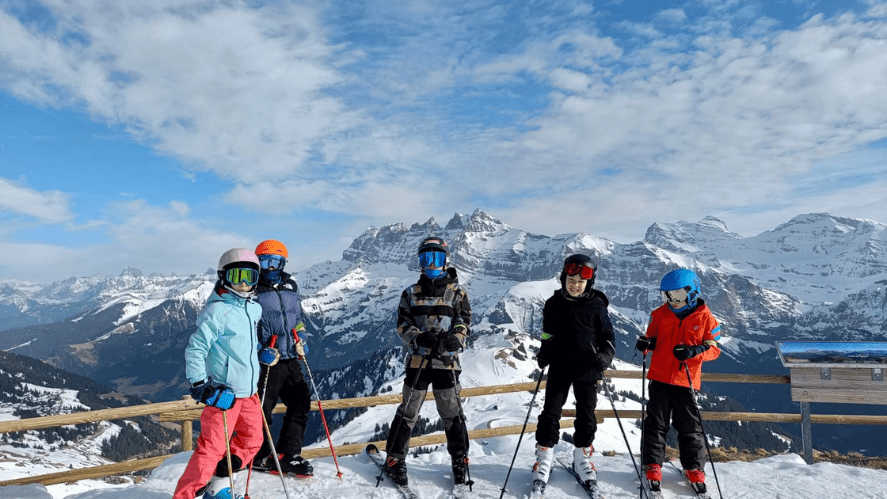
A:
<point x="219" y="396"/>
<point x="268" y="356"/>
<point x="684" y="352"/>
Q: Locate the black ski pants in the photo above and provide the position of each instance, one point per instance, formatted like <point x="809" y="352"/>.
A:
<point x="445" y="386"/>
<point x="557" y="388"/>
<point x="673" y="405"/>
<point x="285" y="381"/>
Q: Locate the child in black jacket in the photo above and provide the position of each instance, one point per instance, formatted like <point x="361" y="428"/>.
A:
<point x="577" y="341"/>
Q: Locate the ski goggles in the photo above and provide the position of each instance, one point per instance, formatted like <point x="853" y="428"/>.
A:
<point x="674" y="296"/>
<point x="268" y="261"/>
<point x="237" y="276"/>
<point x="579" y="269"/>
<point x="432" y="259"/>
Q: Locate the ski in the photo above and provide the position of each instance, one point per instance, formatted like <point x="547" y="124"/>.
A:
<point x="590" y="486"/>
<point x="538" y="489"/>
<point x="376" y="457"/>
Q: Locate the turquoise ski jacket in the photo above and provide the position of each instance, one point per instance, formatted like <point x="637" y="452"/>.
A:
<point x="224" y="349"/>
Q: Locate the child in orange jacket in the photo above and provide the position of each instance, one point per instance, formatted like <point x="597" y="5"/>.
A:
<point x="682" y="334"/>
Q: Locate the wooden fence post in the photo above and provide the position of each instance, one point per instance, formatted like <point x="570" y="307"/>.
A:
<point x="187" y="432"/>
<point x="806" y="432"/>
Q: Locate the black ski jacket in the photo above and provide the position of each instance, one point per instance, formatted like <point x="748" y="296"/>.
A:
<point x="573" y="331"/>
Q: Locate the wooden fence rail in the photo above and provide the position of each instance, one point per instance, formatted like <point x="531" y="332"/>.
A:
<point x="185" y="411"/>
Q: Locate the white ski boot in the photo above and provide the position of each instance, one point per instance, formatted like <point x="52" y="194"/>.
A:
<point x="220" y="488"/>
<point x="542" y="466"/>
<point x="582" y="464"/>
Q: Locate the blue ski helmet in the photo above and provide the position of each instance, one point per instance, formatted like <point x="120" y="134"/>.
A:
<point x="438" y="246"/>
<point x="682" y="279"/>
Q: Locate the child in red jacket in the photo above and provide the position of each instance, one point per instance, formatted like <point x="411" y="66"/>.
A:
<point x="682" y="335"/>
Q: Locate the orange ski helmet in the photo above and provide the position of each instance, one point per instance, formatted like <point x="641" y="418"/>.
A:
<point x="272" y="247"/>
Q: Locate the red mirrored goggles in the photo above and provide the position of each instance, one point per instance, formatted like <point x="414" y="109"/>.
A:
<point x="579" y="269"/>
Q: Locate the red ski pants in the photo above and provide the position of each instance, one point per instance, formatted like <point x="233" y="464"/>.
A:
<point x="245" y="419"/>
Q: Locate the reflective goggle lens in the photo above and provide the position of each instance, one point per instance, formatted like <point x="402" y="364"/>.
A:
<point x="268" y="261"/>
<point x="237" y="276"/>
<point x="432" y="259"/>
<point x="580" y="270"/>
<point x="674" y="296"/>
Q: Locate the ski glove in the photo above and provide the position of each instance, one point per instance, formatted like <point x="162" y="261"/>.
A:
<point x="684" y="352"/>
<point x="645" y="344"/>
<point x="269" y="356"/>
<point x="451" y="343"/>
<point x="600" y="362"/>
<point x="219" y="396"/>
<point x="301" y="345"/>
<point x="427" y="339"/>
<point x="212" y="394"/>
<point x="543" y="360"/>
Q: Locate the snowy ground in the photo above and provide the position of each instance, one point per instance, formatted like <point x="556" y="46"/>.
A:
<point x="782" y="477"/>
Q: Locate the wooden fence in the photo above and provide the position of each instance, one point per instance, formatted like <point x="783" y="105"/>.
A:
<point x="185" y="411"/>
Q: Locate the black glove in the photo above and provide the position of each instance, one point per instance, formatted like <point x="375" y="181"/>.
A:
<point x="684" y="352"/>
<point x="600" y="362"/>
<point x="543" y="359"/>
<point x="451" y="343"/>
<point x="645" y="343"/>
<point x="197" y="390"/>
<point x="427" y="339"/>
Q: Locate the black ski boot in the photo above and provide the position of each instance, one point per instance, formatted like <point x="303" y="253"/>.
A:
<point x="460" y="468"/>
<point x="296" y="465"/>
<point x="396" y="469"/>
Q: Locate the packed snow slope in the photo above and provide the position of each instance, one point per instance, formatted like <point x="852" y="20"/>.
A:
<point x="782" y="476"/>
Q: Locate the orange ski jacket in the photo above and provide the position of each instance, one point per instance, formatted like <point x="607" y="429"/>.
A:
<point x="698" y="328"/>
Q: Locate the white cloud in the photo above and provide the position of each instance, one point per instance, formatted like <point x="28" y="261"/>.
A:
<point x="383" y="110"/>
<point x="46" y="206"/>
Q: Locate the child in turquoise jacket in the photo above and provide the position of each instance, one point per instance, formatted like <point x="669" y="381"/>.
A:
<point x="222" y="366"/>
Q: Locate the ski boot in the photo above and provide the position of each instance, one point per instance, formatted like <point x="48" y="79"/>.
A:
<point x="396" y="469"/>
<point x="296" y="465"/>
<point x="460" y="469"/>
<point x="582" y="464"/>
<point x="542" y="466"/>
<point x="653" y="474"/>
<point x="220" y="488"/>
<point x="697" y="480"/>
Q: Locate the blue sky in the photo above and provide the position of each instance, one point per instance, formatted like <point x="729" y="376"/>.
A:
<point x="159" y="134"/>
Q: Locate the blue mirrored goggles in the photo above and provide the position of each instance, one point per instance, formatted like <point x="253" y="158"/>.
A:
<point x="432" y="259"/>
<point x="269" y="261"/>
<point x="237" y="276"/>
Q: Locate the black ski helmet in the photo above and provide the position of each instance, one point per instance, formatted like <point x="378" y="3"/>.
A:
<point x="433" y="244"/>
<point x="581" y="260"/>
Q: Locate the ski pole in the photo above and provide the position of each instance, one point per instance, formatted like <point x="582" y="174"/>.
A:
<point x="624" y="436"/>
<point x="228" y="451"/>
<point x="643" y="414"/>
<point x="274" y="454"/>
<point x="532" y="400"/>
<point x="470" y="482"/>
<point x="320" y="409"/>
<point x="262" y="404"/>
<point x="702" y="428"/>
<point x="425" y="360"/>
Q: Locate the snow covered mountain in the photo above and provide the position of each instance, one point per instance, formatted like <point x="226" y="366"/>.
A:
<point x="814" y="277"/>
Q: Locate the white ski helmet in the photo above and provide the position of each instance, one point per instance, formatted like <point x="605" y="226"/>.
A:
<point x="242" y="256"/>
